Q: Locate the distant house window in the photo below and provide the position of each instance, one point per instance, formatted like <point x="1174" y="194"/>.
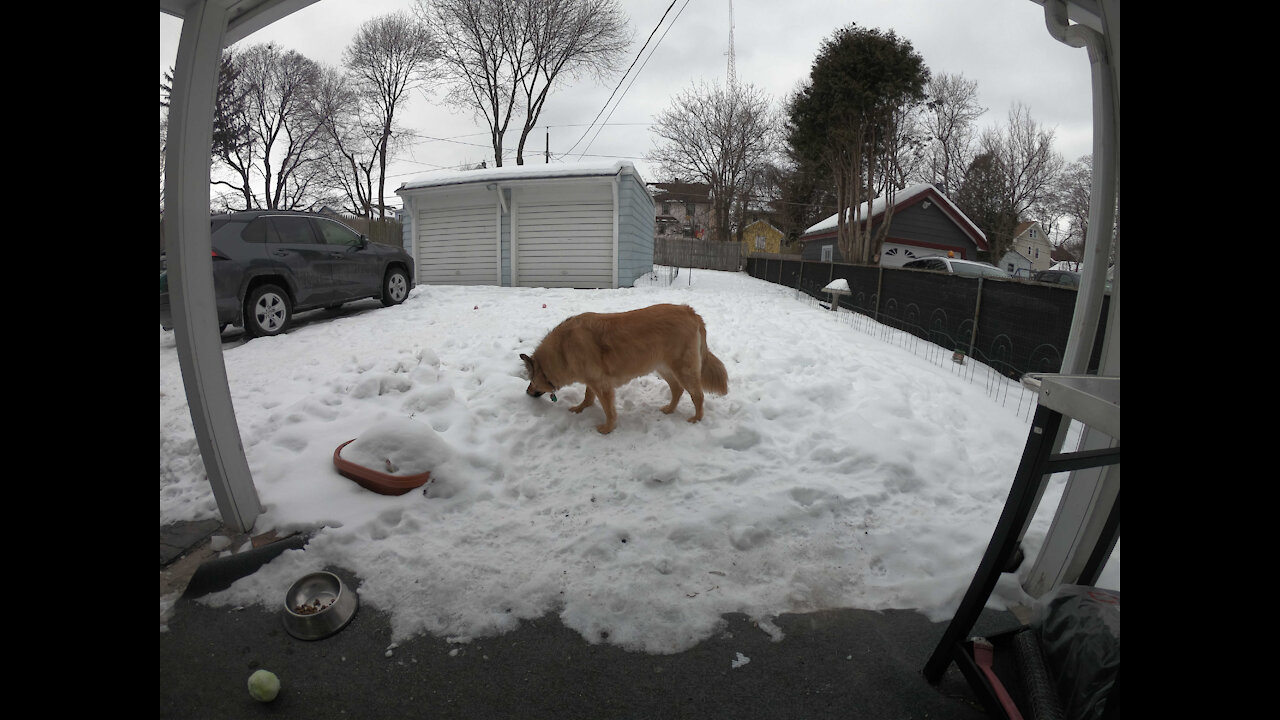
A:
<point x="666" y="208"/>
<point x="826" y="253"/>
<point x="759" y="242"/>
<point x="1033" y="233"/>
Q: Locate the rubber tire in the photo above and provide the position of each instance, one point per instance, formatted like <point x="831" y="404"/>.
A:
<point x="395" y="287"/>
<point x="274" y="307"/>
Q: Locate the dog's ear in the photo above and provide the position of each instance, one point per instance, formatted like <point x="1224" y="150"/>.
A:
<point x="528" y="362"/>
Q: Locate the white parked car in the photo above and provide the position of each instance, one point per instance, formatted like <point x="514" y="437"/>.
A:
<point x="956" y="266"/>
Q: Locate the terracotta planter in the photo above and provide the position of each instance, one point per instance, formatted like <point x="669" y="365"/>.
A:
<point x="378" y="482"/>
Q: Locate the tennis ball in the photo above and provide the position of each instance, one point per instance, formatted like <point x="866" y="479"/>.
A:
<point x="264" y="685"/>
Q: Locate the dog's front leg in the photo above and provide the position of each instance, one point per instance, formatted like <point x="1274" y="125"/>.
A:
<point x="610" y="414"/>
<point x="586" y="402"/>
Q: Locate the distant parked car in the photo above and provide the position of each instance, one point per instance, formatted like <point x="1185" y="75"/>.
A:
<point x="1058" y="277"/>
<point x="269" y="265"/>
<point x="956" y="266"/>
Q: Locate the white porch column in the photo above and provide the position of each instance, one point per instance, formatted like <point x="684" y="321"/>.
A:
<point x="190" y="267"/>
<point x="1092" y="494"/>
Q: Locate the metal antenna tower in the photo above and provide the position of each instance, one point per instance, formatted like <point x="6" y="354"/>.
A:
<point x="733" y="72"/>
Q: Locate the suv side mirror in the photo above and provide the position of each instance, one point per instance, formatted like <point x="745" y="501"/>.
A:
<point x="364" y="241"/>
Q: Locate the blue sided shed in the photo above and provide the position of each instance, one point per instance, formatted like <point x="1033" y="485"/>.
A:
<point x="579" y="225"/>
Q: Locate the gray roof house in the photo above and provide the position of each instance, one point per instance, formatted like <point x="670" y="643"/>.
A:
<point x="924" y="222"/>
<point x="579" y="225"/>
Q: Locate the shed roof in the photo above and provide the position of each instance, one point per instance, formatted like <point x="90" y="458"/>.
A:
<point x="523" y="172"/>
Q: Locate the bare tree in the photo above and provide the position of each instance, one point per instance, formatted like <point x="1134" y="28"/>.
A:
<point x="723" y="137"/>
<point x="389" y="56"/>
<point x="472" y="45"/>
<point x="354" y="140"/>
<point x="1024" y="149"/>
<point x="1070" y="203"/>
<point x="281" y="152"/>
<point x="568" y="38"/>
<point x="1013" y="176"/>
<point x="948" y="120"/>
<point x="503" y="57"/>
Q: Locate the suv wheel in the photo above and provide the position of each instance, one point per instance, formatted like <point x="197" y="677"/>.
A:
<point x="395" y="287"/>
<point x="267" y="311"/>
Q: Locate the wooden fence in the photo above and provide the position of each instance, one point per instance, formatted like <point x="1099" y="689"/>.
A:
<point x="689" y="253"/>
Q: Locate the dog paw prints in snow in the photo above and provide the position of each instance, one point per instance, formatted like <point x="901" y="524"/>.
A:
<point x="740" y="438"/>
<point x="659" y="471"/>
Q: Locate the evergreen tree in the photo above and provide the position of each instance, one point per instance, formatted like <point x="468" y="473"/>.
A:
<point x="228" y="126"/>
<point x="846" y="118"/>
<point x="983" y="198"/>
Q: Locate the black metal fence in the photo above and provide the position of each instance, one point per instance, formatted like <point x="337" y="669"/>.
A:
<point x="1015" y="327"/>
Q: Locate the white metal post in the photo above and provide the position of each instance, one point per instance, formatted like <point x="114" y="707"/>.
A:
<point x="1090" y="494"/>
<point x="190" y="267"/>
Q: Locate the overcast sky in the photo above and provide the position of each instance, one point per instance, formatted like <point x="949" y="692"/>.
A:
<point x="1002" y="44"/>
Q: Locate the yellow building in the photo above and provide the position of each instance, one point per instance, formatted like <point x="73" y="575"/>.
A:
<point x="761" y="237"/>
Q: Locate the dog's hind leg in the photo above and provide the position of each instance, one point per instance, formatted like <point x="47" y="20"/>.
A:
<point x="676" y="390"/>
<point x="690" y="379"/>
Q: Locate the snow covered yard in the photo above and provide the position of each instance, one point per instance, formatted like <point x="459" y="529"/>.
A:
<point x="840" y="470"/>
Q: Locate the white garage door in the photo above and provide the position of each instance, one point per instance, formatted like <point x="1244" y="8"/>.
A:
<point x="457" y="238"/>
<point x="565" y="236"/>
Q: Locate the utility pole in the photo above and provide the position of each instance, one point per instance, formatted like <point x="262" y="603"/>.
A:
<point x="548" y="146"/>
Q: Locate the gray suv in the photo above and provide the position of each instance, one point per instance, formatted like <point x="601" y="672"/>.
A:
<point x="270" y="264"/>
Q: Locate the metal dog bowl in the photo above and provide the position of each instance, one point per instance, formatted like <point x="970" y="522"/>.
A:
<point x="318" y="605"/>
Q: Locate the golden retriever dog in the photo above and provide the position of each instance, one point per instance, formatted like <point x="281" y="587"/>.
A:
<point x="606" y="350"/>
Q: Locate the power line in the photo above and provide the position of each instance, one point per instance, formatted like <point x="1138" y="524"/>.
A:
<point x="633" y="79"/>
<point x="628" y="72"/>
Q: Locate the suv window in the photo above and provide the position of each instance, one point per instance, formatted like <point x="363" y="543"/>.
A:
<point x="295" y="231"/>
<point x="333" y="233"/>
<point x="227" y="229"/>
<point x="260" y="231"/>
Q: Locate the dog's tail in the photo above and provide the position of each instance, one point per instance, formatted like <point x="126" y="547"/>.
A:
<point x="715" y="379"/>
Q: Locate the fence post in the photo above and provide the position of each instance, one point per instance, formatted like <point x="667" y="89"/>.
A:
<point x="977" y="306"/>
<point x="875" y="311"/>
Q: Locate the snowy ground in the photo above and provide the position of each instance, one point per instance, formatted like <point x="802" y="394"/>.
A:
<point x="841" y="471"/>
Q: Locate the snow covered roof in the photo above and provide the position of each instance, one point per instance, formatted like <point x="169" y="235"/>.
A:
<point x="901" y="199"/>
<point x="522" y="172"/>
